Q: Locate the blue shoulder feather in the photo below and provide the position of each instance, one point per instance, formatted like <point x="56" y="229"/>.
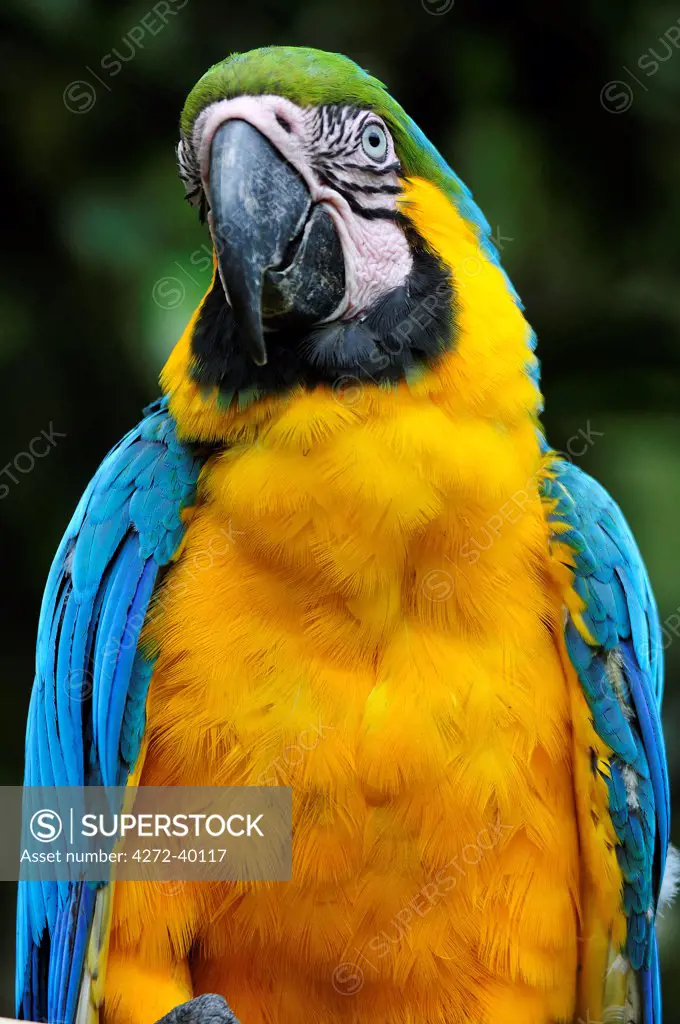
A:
<point x="86" y="718"/>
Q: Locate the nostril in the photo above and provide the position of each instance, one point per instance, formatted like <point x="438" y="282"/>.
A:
<point x="284" y="122"/>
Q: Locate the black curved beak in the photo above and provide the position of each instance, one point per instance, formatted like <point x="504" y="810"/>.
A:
<point x="280" y="259"/>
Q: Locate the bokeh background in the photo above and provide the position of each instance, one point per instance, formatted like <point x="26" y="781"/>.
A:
<point x="564" y="120"/>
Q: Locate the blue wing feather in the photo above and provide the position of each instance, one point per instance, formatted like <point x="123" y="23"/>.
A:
<point x="68" y="714"/>
<point x="112" y="714"/>
<point x="621" y="670"/>
<point x="86" y="717"/>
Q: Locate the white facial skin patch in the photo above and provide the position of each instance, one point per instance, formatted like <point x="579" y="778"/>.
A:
<point x="347" y="160"/>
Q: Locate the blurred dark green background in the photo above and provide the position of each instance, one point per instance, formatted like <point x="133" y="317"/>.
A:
<point x="103" y="262"/>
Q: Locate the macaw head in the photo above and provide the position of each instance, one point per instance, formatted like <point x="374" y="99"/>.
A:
<point x="340" y="234"/>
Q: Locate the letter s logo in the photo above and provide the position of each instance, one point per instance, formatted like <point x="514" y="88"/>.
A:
<point x="45" y="826"/>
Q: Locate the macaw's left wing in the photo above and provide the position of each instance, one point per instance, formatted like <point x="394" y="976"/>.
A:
<point x="613" y="639"/>
<point x="87" y="713"/>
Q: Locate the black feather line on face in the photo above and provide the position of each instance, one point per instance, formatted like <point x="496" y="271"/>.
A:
<point x="403" y="332"/>
<point x="368" y="213"/>
<point x="337" y="183"/>
<point x="387" y="169"/>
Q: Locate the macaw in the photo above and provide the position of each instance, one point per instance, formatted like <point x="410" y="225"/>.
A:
<point x="342" y="521"/>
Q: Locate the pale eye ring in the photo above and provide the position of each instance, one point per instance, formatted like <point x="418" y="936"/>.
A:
<point x="374" y="142"/>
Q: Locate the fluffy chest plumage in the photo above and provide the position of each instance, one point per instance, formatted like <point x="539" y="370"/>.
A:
<point x="362" y="610"/>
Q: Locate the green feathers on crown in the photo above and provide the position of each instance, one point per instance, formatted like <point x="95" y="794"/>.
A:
<point x="311" y="77"/>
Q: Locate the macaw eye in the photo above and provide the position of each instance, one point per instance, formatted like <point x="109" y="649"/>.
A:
<point x="374" y="142"/>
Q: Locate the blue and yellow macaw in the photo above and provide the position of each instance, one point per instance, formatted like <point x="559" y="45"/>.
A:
<point x="338" y="554"/>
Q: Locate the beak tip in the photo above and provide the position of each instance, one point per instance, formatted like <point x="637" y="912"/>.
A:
<point x="254" y="344"/>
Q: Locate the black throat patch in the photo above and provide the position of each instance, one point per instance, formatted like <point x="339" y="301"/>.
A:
<point x="404" y="332"/>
